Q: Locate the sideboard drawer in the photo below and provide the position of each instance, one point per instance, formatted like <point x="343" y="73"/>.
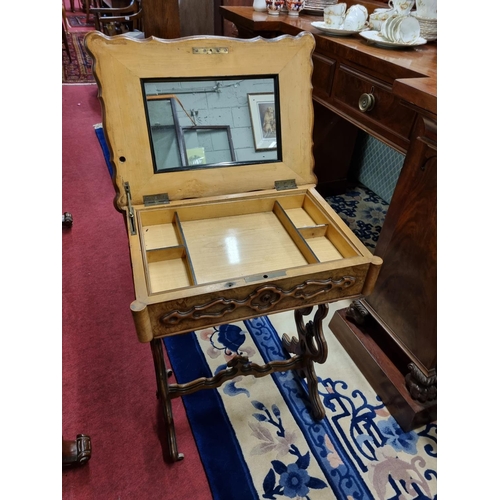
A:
<point x="387" y="116"/>
<point x="322" y="78"/>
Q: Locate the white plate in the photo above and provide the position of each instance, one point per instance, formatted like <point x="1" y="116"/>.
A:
<point x="333" y="31"/>
<point x="377" y="38"/>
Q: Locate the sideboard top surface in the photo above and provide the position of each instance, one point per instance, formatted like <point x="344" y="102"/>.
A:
<point x="414" y="69"/>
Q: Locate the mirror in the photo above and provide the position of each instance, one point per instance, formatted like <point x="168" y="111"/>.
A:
<point x="206" y="123"/>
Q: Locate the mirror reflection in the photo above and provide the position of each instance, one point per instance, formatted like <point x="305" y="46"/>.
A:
<point x="212" y="123"/>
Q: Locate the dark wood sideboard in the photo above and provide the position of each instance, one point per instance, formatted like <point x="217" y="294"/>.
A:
<point x="174" y="18"/>
<point x="391" y="334"/>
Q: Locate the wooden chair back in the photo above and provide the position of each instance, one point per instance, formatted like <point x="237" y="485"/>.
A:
<point x="118" y="21"/>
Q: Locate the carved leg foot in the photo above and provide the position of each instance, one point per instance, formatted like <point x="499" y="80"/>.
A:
<point x="76" y="453"/>
<point x="357" y="313"/>
<point x="165" y="400"/>
<point x="311" y="346"/>
<point x="421" y="388"/>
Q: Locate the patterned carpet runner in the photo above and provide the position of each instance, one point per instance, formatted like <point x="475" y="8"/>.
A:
<point x="257" y="440"/>
<point x="79" y="69"/>
<point x="80" y="21"/>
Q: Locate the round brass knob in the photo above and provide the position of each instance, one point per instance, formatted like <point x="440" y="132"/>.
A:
<point x="366" y="102"/>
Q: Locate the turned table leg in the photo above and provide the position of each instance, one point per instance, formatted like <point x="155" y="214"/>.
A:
<point x="165" y="400"/>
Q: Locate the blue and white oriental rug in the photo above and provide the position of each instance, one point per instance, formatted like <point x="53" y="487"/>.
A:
<point x="257" y="440"/>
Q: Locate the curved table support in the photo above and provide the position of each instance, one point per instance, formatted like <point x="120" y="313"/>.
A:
<point x="310" y="347"/>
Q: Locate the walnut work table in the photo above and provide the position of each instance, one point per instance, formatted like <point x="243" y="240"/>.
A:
<point x="222" y="215"/>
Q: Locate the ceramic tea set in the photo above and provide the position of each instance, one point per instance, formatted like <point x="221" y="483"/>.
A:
<point x="274" y="7"/>
<point x="393" y="27"/>
<point x="399" y="26"/>
<point x="352" y="19"/>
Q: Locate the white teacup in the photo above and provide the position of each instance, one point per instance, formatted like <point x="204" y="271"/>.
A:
<point x="401" y="7"/>
<point x="333" y="21"/>
<point x="375" y="24"/>
<point x="337" y="10"/>
<point x="427" y="9"/>
<point x="359" y="7"/>
<point x="377" y="18"/>
<point x="356" y="18"/>
<point x="407" y="30"/>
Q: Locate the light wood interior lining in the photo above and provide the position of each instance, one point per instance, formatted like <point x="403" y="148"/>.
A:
<point x="178" y="252"/>
<point x="294" y="233"/>
<point x="168" y="275"/>
<point x="313" y="231"/>
<point x="188" y="261"/>
<point x="200" y="244"/>
<point x="160" y="236"/>
<point x="341" y="243"/>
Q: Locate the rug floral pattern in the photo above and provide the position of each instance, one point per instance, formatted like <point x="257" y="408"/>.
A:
<point x="358" y="451"/>
<point x="363" y="211"/>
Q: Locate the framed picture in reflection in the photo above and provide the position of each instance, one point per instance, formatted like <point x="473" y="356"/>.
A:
<point x="263" y="118"/>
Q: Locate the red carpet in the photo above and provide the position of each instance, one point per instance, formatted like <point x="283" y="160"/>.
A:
<point x="108" y="386"/>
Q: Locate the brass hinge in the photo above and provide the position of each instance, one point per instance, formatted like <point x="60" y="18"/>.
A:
<point x="131" y="215"/>
<point x="156" y="199"/>
<point x="285" y="184"/>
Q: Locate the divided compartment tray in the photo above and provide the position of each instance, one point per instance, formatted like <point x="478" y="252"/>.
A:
<point x="199" y="244"/>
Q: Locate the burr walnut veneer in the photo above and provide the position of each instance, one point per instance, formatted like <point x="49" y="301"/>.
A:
<point x="212" y="241"/>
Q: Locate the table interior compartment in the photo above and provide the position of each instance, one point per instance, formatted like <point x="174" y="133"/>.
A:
<point x="168" y="268"/>
<point x="167" y="261"/>
<point x="241" y="245"/>
<point x="159" y="229"/>
<point x="319" y="231"/>
<point x="203" y="243"/>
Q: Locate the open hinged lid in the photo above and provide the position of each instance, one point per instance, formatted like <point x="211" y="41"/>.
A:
<point x="205" y="116"/>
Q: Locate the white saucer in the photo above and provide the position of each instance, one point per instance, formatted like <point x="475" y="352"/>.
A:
<point x="333" y="31"/>
<point x="377" y="38"/>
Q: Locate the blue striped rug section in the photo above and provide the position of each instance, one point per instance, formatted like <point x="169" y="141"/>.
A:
<point x="343" y="482"/>
<point x="215" y="437"/>
<point x="257" y="440"/>
<point x="99" y="132"/>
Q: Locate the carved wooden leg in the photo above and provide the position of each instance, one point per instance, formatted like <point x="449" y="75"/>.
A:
<point x="165" y="400"/>
<point x="421" y="387"/>
<point x="76" y="453"/>
<point x="358" y="313"/>
<point x="311" y="345"/>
